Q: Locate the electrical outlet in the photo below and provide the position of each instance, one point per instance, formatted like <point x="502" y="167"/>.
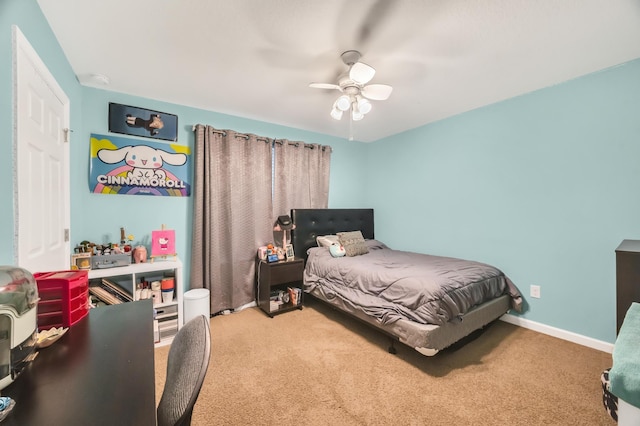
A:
<point x="535" y="291"/>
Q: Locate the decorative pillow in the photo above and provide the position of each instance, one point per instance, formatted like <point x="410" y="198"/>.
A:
<point x="326" y="240"/>
<point x="353" y="243"/>
<point x="337" y="250"/>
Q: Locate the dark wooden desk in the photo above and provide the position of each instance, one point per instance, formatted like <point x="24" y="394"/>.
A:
<point x="101" y="372"/>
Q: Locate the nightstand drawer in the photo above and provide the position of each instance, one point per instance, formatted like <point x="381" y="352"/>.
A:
<point x="286" y="272"/>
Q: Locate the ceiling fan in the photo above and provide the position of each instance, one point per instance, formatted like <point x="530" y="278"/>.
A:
<point x="356" y="93"/>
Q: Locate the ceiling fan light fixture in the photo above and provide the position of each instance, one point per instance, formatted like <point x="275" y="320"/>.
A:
<point x="343" y="103"/>
<point x="364" y="106"/>
<point x="356" y="93"/>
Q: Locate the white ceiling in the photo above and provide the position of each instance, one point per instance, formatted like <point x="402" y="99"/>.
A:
<point x="256" y="58"/>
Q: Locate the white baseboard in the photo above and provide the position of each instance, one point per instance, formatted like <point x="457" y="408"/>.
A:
<point x="559" y="333"/>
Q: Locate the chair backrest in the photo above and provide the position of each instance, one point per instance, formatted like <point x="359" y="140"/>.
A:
<point x="186" y="368"/>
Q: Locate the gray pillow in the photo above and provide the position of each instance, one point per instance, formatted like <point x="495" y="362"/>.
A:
<point x="353" y="243"/>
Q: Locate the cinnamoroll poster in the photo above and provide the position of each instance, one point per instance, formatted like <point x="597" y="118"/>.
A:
<point x="136" y="167"/>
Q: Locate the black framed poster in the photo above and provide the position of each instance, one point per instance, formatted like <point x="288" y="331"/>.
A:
<point x="147" y="123"/>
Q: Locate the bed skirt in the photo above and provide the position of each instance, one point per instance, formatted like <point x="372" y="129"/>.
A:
<point x="428" y="336"/>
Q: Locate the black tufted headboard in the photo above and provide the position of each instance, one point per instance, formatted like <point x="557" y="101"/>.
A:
<point x="313" y="222"/>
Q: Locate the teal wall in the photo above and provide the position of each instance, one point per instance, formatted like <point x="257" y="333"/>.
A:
<point x="544" y="186"/>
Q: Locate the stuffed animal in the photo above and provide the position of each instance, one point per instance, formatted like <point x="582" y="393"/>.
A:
<point x="337" y="250"/>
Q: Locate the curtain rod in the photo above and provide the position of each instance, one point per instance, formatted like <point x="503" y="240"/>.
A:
<point x="222" y="132"/>
<point x="306" y="145"/>
<point x="265" y="139"/>
<point x="258" y="138"/>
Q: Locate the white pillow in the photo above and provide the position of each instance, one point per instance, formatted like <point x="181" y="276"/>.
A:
<point x="326" y="240"/>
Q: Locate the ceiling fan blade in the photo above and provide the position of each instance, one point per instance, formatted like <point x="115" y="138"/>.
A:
<point x="362" y="24"/>
<point x="377" y="92"/>
<point x="324" y="86"/>
<point x="373" y="19"/>
<point x="361" y="73"/>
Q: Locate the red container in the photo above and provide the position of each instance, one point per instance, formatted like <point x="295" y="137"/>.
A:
<point x="64" y="298"/>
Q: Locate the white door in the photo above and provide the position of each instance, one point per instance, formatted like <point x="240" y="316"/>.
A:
<point x="42" y="166"/>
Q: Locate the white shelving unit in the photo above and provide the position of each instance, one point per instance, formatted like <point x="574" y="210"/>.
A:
<point x="150" y="272"/>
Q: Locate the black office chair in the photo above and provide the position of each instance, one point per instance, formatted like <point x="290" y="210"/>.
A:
<point x="186" y="368"/>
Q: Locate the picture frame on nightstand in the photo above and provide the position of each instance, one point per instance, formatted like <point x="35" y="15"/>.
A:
<point x="289" y="252"/>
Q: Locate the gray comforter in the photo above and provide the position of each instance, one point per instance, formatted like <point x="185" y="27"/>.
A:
<point x="391" y="285"/>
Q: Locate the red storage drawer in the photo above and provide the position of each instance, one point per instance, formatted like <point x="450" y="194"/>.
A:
<point x="64" y="298"/>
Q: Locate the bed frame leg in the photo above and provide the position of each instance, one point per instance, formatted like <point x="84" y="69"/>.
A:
<point x="392" y="348"/>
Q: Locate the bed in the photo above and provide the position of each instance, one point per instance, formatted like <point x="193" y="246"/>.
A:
<point x="399" y="293"/>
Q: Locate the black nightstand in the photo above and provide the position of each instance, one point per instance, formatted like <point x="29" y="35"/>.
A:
<point x="279" y="286"/>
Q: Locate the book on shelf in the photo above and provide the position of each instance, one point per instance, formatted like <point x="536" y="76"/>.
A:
<point x="104" y="295"/>
<point x="295" y="294"/>
<point x="110" y="292"/>
<point x="117" y="289"/>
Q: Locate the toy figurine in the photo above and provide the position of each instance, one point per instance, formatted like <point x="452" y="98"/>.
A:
<point x="139" y="254"/>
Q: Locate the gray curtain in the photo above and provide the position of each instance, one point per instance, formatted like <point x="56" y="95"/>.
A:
<point x="232" y="207"/>
<point x="301" y="176"/>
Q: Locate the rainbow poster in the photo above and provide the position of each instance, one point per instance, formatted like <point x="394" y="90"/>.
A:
<point x="136" y="167"/>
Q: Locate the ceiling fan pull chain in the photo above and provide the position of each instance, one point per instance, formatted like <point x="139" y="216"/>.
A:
<point x="350" y="127"/>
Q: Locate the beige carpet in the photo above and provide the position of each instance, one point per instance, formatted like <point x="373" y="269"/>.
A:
<point x="317" y="367"/>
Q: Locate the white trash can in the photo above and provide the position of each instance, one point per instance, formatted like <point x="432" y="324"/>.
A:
<point x="196" y="302"/>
